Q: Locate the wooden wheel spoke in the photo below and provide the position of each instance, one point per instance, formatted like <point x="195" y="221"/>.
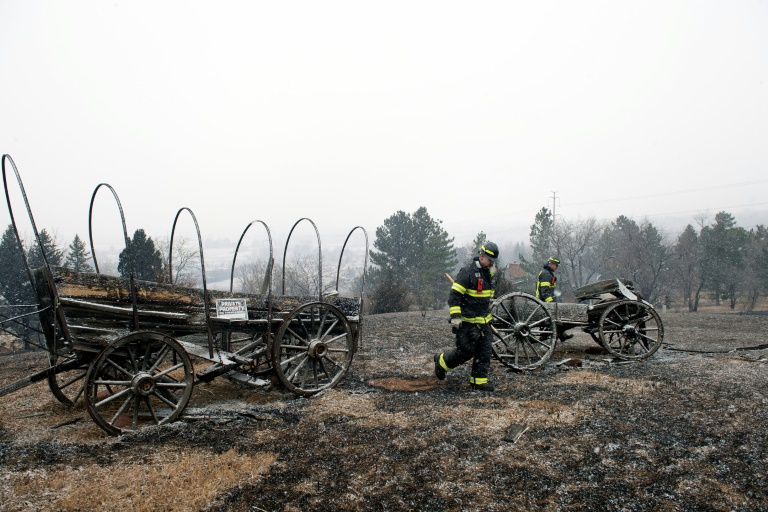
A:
<point x="299" y="337"/>
<point x="121" y="410"/>
<point x="298" y="367"/>
<point x="114" y="396"/>
<point x="165" y="372"/>
<point x="163" y="398"/>
<point x="119" y="368"/>
<point x="324" y="370"/>
<point x="160" y="358"/>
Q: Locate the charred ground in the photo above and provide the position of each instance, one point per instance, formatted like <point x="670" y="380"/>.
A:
<point x="683" y="430"/>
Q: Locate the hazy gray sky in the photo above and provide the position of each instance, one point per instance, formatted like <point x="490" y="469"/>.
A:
<point x="346" y="112"/>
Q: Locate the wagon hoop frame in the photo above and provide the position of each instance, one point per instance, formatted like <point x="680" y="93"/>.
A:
<point x="270" y="263"/>
<point x="206" y="305"/>
<point x="29" y="213"/>
<point x="131" y="276"/>
<point x="319" y="256"/>
<point x="24" y="258"/>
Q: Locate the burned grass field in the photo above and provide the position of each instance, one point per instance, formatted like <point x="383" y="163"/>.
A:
<point x="683" y="430"/>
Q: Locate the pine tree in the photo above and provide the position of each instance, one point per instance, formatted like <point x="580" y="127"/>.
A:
<point x="147" y="261"/>
<point x="541" y="243"/>
<point x="14" y="281"/>
<point x="53" y="255"/>
<point x="77" y="256"/>
<point x="15" y="287"/>
<point x="412" y="254"/>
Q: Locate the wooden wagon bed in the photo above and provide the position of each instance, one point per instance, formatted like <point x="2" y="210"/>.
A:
<point x="97" y="307"/>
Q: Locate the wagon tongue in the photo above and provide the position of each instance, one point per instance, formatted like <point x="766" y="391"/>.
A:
<point x="38" y="376"/>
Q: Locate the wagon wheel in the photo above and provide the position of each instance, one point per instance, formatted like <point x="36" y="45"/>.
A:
<point x="524" y="329"/>
<point x="68" y="383"/>
<point x="631" y="330"/>
<point x="313" y="348"/>
<point x="142" y="379"/>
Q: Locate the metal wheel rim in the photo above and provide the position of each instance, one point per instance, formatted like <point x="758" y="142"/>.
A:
<point x="525" y="332"/>
<point x="68" y="386"/>
<point x="142" y="379"/>
<point x="631" y="330"/>
<point x="313" y="348"/>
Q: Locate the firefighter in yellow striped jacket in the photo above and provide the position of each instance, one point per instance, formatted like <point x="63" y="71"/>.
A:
<point x="469" y="304"/>
<point x="545" y="286"/>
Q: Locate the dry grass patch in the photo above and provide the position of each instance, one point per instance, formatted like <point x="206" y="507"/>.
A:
<point x="168" y="481"/>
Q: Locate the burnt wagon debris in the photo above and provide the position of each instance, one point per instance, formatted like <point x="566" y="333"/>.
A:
<point x="126" y="346"/>
<point x="611" y="312"/>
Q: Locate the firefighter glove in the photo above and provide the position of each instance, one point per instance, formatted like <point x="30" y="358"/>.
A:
<point x="456" y="322"/>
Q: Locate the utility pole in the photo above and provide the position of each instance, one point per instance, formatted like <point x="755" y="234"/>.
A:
<point x="554" y="216"/>
<point x="554" y="206"/>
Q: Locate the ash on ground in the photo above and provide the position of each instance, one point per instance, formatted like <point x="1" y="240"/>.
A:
<point x="683" y="430"/>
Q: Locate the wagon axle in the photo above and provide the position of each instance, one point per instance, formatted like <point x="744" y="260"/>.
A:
<point x="143" y="384"/>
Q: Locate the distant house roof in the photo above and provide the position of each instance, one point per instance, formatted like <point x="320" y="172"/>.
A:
<point x="515" y="272"/>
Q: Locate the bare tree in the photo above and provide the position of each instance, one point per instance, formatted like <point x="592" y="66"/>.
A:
<point x="302" y="276"/>
<point x="575" y="243"/>
<point x="255" y="276"/>
<point x="638" y="252"/>
<point x="186" y="260"/>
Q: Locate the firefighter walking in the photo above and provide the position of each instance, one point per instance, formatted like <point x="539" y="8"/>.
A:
<point x="545" y="290"/>
<point x="469" y="304"/>
<point x="545" y="286"/>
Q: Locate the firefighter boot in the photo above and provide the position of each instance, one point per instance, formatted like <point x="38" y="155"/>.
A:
<point x="483" y="387"/>
<point x="439" y="370"/>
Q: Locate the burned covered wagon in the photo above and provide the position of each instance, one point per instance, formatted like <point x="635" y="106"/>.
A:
<point x="611" y="312"/>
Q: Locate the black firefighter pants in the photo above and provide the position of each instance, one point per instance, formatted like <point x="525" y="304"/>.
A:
<point x="472" y="341"/>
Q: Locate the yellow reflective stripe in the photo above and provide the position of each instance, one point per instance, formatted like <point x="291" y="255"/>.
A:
<point x="481" y="295"/>
<point x="478" y="380"/>
<point x="459" y="288"/>
<point x="454" y="310"/>
<point x="549" y="299"/>
<point x="545" y="284"/>
<point x="477" y="319"/>
<point x="442" y="363"/>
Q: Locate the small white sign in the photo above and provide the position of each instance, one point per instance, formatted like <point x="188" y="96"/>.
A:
<point x="235" y="309"/>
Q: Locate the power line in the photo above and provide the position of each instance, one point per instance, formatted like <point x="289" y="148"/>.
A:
<point x="675" y="192"/>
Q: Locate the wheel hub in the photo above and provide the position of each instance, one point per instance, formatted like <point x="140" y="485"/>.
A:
<point x="143" y="384"/>
<point x="522" y="329"/>
<point x="317" y="349"/>
<point x="629" y="331"/>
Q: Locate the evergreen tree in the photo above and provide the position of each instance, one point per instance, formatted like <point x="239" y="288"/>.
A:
<point x="14" y="281"/>
<point x="15" y="288"/>
<point x="53" y="255"/>
<point x="478" y="242"/>
<point x="147" y="261"/>
<point x="77" y="256"/>
<point x="751" y="279"/>
<point x="412" y="255"/>
<point x="541" y="243"/>
<point x="724" y="246"/>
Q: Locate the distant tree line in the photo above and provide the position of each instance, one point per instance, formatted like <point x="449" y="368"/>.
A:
<point x="412" y="254"/>
<point x="718" y="259"/>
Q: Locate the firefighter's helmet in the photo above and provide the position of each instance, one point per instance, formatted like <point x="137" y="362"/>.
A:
<point x="490" y="250"/>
